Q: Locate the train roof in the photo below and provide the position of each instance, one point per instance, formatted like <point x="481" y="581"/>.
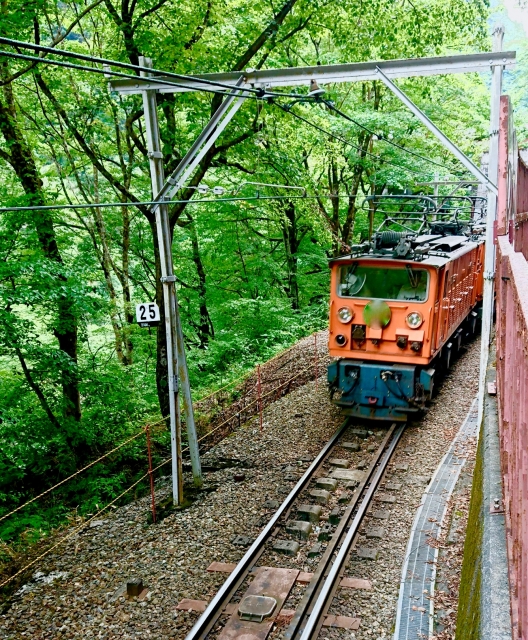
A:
<point x="429" y="249"/>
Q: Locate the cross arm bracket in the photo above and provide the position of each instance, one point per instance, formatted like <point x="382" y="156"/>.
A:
<point x="456" y="151"/>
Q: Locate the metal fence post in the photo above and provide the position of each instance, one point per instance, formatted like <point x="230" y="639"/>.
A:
<point x="259" y="396"/>
<point x="316" y="361"/>
<point x="151" y="475"/>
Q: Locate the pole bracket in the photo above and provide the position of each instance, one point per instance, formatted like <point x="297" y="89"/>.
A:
<point x="155" y="154"/>
<point x="166" y="279"/>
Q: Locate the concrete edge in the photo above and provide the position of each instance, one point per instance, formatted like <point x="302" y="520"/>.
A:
<point x="495" y="593"/>
<point x="415" y="524"/>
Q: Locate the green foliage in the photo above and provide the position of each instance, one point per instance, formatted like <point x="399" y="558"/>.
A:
<point x="252" y="274"/>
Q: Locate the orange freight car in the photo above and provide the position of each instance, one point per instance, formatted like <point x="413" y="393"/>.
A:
<point x="399" y="310"/>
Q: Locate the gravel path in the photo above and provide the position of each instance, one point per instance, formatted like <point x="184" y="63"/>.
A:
<point x="77" y="593"/>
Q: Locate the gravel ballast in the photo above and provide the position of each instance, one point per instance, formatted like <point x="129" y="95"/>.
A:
<point x="77" y="591"/>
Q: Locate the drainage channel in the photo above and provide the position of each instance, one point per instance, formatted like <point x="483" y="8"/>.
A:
<point x="415" y="613"/>
<point x="252" y="597"/>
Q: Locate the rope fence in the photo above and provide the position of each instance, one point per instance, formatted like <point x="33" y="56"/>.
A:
<point x="72" y="534"/>
<point x="73" y="475"/>
<point x="240" y="413"/>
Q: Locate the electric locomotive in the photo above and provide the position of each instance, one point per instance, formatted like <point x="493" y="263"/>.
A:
<point x="400" y="307"/>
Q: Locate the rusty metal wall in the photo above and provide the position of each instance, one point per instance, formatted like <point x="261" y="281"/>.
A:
<point x="511" y="284"/>
<point x="519" y="228"/>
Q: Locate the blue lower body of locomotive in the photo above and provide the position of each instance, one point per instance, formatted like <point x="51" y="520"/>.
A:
<point x="379" y="391"/>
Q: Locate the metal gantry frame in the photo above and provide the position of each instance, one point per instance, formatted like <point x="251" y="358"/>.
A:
<point x="243" y="85"/>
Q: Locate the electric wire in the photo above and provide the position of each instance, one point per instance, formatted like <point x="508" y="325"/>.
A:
<point x="114" y="63"/>
<point x="101" y="205"/>
<point x="79" y="67"/>
<point x="347" y="142"/>
<point x="332" y="106"/>
<point x="154" y="73"/>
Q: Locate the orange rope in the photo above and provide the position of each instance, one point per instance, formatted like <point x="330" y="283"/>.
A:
<point x="73" y="475"/>
<point x="87" y="522"/>
<point x="84" y="524"/>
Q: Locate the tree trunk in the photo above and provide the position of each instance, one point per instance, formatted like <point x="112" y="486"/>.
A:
<point x="291" y="244"/>
<point x="125" y="284"/>
<point x="205" y="325"/>
<point x="65" y="330"/>
<point x="106" y="265"/>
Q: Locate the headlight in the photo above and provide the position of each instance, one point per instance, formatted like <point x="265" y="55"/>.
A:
<point x="345" y="314"/>
<point x="414" y="320"/>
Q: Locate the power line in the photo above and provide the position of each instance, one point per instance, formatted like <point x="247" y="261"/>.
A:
<point x="78" y="67"/>
<point x="347" y="142"/>
<point x="331" y="106"/>
<point x="102" y="205"/>
<point x="258" y="93"/>
<point x="113" y="63"/>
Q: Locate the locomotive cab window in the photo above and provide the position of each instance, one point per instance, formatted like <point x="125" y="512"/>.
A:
<point x="386" y="283"/>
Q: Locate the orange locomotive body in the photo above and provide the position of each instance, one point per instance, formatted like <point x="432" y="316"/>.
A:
<point x="397" y="315"/>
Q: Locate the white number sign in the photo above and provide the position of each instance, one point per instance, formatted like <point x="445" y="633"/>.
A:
<point x="147" y="312"/>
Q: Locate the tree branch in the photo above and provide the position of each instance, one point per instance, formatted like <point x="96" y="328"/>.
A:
<point x="38" y="391"/>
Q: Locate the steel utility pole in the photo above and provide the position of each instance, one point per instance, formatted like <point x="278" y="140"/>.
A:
<point x="489" y="256"/>
<point x="176" y="362"/>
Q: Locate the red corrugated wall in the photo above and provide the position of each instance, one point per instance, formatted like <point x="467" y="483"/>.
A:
<point x="511" y="284"/>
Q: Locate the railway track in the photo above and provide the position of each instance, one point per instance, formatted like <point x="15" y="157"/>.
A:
<point x="251" y="601"/>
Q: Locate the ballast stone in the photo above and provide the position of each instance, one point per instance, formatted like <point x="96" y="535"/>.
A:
<point x="309" y="512"/>
<point x="325" y="533"/>
<point x="367" y="554"/>
<point x="320" y="496"/>
<point x="341" y="463"/>
<point x="299" y="529"/>
<point x="328" y="484"/>
<point x="288" y="547"/>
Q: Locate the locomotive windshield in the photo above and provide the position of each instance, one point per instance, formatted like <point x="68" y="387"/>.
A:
<point x="393" y="283"/>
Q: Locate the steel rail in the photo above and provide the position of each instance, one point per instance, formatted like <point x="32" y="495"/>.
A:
<point x="314" y="587"/>
<point x="209" y="617"/>
<point x="322" y="603"/>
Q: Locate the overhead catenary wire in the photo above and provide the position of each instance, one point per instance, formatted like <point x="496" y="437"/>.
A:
<point x="154" y="74"/>
<point x="114" y="63"/>
<point x="332" y="107"/>
<point x="347" y="142"/>
<point x="102" y="205"/>
<point x="127" y="76"/>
